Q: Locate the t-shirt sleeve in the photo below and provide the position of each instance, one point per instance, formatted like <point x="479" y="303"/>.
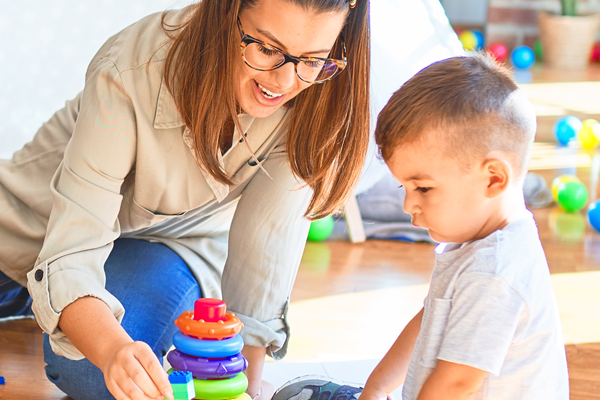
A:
<point x="485" y="314"/>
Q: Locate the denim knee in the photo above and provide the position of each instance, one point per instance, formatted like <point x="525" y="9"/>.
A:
<point x="81" y="379"/>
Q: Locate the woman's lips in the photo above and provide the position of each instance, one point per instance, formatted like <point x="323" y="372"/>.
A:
<point x="263" y="99"/>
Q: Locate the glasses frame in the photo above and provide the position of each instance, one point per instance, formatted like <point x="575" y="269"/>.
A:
<point x="247" y="40"/>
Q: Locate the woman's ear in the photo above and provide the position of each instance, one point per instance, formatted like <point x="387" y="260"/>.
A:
<point x="498" y="175"/>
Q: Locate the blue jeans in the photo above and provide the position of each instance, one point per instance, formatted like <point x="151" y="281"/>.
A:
<point x="14" y="298"/>
<point x="155" y="286"/>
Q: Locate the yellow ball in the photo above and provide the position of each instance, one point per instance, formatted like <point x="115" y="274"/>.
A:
<point x="589" y="134"/>
<point x="561" y="179"/>
<point x="468" y="40"/>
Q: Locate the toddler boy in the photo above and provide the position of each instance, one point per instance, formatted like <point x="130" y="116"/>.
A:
<point x="458" y="137"/>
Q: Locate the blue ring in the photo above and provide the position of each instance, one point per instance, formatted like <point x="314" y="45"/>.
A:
<point x="208" y="348"/>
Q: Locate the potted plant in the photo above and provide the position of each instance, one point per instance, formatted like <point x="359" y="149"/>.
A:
<point x="568" y="38"/>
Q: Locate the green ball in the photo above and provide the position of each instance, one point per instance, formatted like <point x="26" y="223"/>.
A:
<point x="320" y="229"/>
<point x="572" y="196"/>
<point x="538" y="50"/>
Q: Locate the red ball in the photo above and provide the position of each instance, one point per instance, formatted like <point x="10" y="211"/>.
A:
<point x="595" y="55"/>
<point x="499" y="51"/>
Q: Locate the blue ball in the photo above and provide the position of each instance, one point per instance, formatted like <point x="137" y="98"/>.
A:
<point x="566" y="128"/>
<point x="522" y="57"/>
<point x="480" y="39"/>
<point x="593" y="214"/>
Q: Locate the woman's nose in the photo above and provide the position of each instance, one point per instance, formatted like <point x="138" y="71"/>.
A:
<point x="285" y="77"/>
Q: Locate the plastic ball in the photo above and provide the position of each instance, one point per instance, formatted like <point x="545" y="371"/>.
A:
<point x="499" y="51"/>
<point x="595" y="54"/>
<point x="572" y="196"/>
<point x="589" y="134"/>
<point x="480" y="39"/>
<point x="522" y="57"/>
<point x="566" y="128"/>
<point x="593" y="214"/>
<point x="568" y="227"/>
<point x="561" y="179"/>
<point x="468" y="40"/>
<point x="538" y="50"/>
<point x="321" y="229"/>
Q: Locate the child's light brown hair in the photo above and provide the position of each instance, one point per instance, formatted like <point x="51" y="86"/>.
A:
<point x="470" y="102"/>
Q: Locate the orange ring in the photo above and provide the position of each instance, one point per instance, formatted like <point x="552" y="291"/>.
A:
<point x="222" y="329"/>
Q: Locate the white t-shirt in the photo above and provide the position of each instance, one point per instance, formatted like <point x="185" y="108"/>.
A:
<point x="491" y="306"/>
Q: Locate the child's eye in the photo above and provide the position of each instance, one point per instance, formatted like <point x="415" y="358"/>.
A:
<point x="400" y="187"/>
<point x="423" y="189"/>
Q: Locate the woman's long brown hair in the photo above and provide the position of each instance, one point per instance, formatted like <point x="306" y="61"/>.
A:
<point x="328" y="132"/>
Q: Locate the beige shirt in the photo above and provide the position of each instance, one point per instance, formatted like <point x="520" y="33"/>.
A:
<point x="117" y="162"/>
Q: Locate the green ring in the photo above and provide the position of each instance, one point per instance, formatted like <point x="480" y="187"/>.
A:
<point x="222" y="389"/>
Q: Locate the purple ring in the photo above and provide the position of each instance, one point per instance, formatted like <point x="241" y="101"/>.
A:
<point x="208" y="368"/>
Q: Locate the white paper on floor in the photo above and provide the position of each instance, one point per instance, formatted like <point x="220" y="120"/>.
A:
<point x="327" y="365"/>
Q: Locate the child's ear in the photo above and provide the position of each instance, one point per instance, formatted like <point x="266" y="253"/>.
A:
<point x="498" y="176"/>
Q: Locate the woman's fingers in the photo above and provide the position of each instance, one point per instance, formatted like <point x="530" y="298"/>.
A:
<point x="116" y="391"/>
<point x="133" y="373"/>
<point x="155" y="372"/>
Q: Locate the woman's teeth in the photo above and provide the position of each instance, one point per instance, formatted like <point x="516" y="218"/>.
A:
<point x="268" y="93"/>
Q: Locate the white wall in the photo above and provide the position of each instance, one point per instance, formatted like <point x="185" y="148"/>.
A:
<point x="468" y="12"/>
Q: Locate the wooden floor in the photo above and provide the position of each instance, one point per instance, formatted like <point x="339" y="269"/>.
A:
<point x="342" y="289"/>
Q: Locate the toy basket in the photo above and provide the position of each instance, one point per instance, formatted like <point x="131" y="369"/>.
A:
<point x="568" y="41"/>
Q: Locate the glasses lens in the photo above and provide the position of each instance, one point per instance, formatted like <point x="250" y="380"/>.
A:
<point x="262" y="56"/>
<point x="317" y="71"/>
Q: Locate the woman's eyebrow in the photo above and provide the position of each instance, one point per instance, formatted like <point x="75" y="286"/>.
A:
<point x="278" y="43"/>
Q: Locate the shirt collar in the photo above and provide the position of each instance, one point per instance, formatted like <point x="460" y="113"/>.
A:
<point x="166" y="116"/>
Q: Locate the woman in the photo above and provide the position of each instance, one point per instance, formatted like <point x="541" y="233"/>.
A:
<point x="203" y="143"/>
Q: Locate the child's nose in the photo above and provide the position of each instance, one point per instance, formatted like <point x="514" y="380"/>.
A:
<point x="411" y="206"/>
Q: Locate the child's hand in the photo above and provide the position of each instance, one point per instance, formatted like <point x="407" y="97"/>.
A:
<point x="370" y="393"/>
<point x="132" y="372"/>
<point x="267" y="391"/>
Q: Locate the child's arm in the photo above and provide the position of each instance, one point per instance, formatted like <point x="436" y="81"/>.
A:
<point x="391" y="370"/>
<point x="451" y="381"/>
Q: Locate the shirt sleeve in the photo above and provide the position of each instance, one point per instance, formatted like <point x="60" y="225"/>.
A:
<point x="266" y="241"/>
<point x="483" y="321"/>
<point x="86" y="192"/>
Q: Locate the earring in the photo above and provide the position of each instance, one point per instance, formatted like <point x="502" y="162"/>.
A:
<point x="352" y="3"/>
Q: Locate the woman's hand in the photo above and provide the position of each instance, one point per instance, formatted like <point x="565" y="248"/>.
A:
<point x="132" y="372"/>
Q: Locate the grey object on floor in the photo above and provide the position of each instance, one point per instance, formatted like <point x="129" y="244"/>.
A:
<point x="536" y="192"/>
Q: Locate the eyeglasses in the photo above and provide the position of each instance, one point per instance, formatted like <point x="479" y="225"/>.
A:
<point x="265" y="57"/>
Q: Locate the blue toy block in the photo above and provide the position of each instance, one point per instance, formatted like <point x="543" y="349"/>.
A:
<point x="1" y="380"/>
<point x="180" y="377"/>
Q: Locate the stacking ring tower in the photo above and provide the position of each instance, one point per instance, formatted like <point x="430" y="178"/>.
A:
<point x="208" y="347"/>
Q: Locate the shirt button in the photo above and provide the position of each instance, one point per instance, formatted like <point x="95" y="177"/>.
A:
<point x="39" y="274"/>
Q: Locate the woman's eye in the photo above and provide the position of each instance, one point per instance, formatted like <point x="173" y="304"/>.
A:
<point x="314" y="64"/>
<point x="423" y="189"/>
<point x="267" y="51"/>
